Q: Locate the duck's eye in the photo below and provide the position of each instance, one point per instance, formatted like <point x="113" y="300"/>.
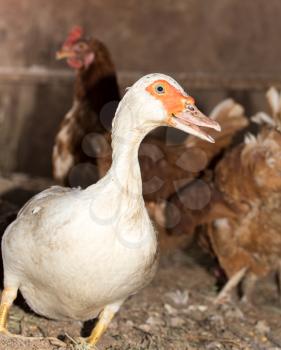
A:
<point x="159" y="89"/>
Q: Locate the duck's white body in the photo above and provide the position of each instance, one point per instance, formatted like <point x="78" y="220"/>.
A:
<point x="73" y="252"/>
<point x="76" y="268"/>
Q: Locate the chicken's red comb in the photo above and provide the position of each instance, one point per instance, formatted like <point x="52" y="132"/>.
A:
<point x="74" y="35"/>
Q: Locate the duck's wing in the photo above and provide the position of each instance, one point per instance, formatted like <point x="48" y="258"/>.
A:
<point x="53" y="191"/>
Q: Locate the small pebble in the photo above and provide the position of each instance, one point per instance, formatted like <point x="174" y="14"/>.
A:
<point x="113" y="324"/>
<point x="155" y="321"/>
<point x="216" y="319"/>
<point x="144" y="327"/>
<point x="176" y="322"/>
<point x="130" y="323"/>
<point x="201" y="308"/>
<point x="214" y="346"/>
<point x="262" y="327"/>
<point x="179" y="297"/>
<point x="234" y="312"/>
<point x="170" y="310"/>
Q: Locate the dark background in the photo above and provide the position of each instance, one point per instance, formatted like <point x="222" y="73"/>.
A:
<point x="214" y="48"/>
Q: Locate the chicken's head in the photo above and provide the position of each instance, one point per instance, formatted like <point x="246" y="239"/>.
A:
<point x="262" y="156"/>
<point x="76" y="50"/>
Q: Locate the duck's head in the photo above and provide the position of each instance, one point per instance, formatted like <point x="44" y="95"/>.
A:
<point x="158" y="100"/>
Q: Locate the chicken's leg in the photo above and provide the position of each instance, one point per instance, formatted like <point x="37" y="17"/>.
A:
<point x="7" y="299"/>
<point x="230" y="285"/>
<point x="248" y="286"/>
<point x="279" y="280"/>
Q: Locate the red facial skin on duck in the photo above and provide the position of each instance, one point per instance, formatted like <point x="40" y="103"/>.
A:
<point x="173" y="100"/>
<point x="181" y="110"/>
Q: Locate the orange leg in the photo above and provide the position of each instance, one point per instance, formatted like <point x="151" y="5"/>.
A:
<point x="104" y="320"/>
<point x="101" y="326"/>
<point x="7" y="299"/>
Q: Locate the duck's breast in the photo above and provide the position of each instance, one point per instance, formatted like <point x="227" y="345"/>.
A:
<point x="71" y="263"/>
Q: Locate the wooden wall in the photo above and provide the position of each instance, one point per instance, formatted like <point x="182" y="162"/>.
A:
<point x="215" y="48"/>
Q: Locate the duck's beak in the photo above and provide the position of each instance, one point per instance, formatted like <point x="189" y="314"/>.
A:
<point x="191" y="121"/>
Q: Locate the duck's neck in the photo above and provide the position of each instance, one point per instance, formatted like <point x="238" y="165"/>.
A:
<point x="125" y="168"/>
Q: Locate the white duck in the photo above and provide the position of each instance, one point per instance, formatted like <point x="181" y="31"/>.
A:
<point x="78" y="254"/>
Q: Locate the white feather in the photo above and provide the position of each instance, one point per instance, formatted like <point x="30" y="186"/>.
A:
<point x="263" y="118"/>
<point x="273" y="100"/>
<point x="249" y="139"/>
<point x="224" y="105"/>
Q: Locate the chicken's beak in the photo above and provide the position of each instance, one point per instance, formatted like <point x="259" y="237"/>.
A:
<point x="191" y="121"/>
<point x="64" y="54"/>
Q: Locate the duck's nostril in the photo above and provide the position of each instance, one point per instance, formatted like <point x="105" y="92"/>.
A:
<point x="190" y="108"/>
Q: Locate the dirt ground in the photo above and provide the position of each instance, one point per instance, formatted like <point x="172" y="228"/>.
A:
<point x="176" y="312"/>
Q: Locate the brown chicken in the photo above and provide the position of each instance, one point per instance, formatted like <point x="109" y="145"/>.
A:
<point x="191" y="205"/>
<point x="245" y="234"/>
<point x="95" y="100"/>
<point x="181" y="212"/>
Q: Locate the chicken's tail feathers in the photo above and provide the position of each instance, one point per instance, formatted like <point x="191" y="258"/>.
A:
<point x="273" y="119"/>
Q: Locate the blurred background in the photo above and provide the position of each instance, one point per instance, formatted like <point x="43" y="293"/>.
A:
<point x="221" y="202"/>
<point x="209" y="47"/>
